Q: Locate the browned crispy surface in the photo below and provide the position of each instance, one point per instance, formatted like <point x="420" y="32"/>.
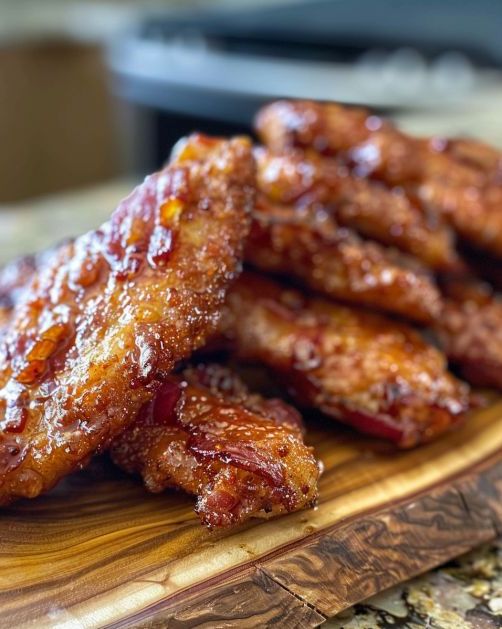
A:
<point x="328" y="128"/>
<point x="374" y="145"/>
<point x="108" y="315"/>
<point x="337" y="263"/>
<point x="446" y="182"/>
<point x="309" y="181"/>
<point x="367" y="371"/>
<point x="473" y="211"/>
<point x="475" y="154"/>
<point x="470" y="202"/>
<point x="240" y="454"/>
<point x="470" y="331"/>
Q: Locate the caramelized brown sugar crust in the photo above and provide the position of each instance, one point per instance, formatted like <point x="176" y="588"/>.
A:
<point x="470" y="330"/>
<point x="475" y="212"/>
<point x="106" y="317"/>
<point x="372" y="144"/>
<point x="473" y="153"/>
<point x="361" y="368"/>
<point x="240" y="454"/>
<point x="445" y="182"/>
<point x="309" y="180"/>
<point x="335" y="261"/>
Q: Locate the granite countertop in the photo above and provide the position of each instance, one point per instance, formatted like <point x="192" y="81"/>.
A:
<point x="464" y="594"/>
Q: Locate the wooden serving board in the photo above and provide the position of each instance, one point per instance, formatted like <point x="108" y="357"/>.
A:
<point x="98" y="551"/>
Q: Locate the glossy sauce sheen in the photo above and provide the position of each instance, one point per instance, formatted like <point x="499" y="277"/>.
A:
<point x="311" y="248"/>
<point x="105" y="318"/>
<point x="240" y="454"/>
<point x="368" y="371"/>
<point x="458" y="181"/>
<point x="311" y="181"/>
<point x="470" y="330"/>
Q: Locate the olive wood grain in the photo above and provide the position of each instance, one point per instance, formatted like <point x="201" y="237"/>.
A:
<point x="248" y="600"/>
<point x="376" y="551"/>
<point x="98" y="551"/>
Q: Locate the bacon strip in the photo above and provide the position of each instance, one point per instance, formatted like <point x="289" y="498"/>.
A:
<point x="358" y="367"/>
<point x="241" y="455"/>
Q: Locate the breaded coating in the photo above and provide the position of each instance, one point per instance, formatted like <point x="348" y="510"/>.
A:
<point x="107" y="317"/>
<point x="473" y="153"/>
<point x="474" y="212"/>
<point x="470" y="331"/>
<point x="445" y="182"/>
<point x="370" y="143"/>
<point x="241" y="455"/>
<point x="334" y="261"/>
<point x="371" y="373"/>
<point x="309" y="180"/>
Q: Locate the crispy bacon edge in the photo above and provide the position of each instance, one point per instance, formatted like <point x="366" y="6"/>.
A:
<point x="374" y="374"/>
<point x="241" y="455"/>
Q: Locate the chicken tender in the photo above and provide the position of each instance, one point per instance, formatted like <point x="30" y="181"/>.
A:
<point x="241" y="455"/>
<point x="470" y="331"/>
<point x="473" y="153"/>
<point x="334" y="261"/>
<point x="446" y="182"/>
<point x="107" y="317"/>
<point x="378" y="376"/>
<point x="309" y="180"/>
<point x="372" y="144"/>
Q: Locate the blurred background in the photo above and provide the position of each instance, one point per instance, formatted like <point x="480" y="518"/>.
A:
<point x="98" y="91"/>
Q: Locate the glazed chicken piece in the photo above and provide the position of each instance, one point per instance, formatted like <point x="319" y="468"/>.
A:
<point x="470" y="330"/>
<point x="372" y="144"/>
<point x="473" y="153"/>
<point x="311" y="181"/>
<point x="450" y="187"/>
<point x="108" y="316"/>
<point x="241" y="455"/>
<point x="371" y="373"/>
<point x="334" y="261"/>
<point x="474" y="212"/>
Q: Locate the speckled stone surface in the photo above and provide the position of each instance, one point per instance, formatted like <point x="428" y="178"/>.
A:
<point x="464" y="594"/>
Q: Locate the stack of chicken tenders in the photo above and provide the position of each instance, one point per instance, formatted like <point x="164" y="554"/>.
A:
<point x="355" y="263"/>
